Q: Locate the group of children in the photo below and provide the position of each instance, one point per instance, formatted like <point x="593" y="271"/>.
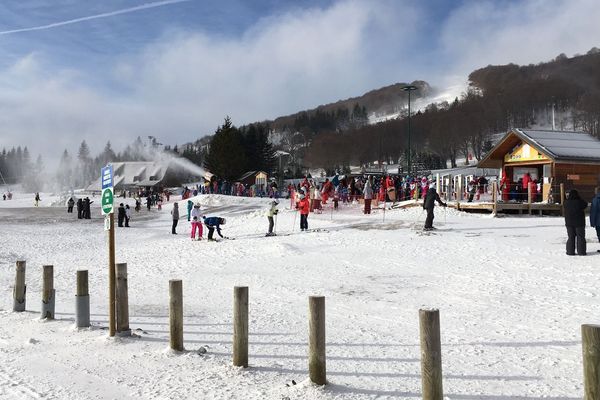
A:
<point x="197" y="220"/>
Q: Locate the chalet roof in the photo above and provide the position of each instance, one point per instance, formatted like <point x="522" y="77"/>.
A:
<point x="134" y="173"/>
<point x="557" y="145"/>
<point x="250" y="173"/>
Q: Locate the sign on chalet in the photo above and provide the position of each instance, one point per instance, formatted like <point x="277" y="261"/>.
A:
<point x="550" y="157"/>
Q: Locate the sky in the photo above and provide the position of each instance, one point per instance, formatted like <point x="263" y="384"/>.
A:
<point x="73" y="70"/>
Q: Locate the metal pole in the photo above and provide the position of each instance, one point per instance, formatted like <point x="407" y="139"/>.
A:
<point x="409" y="155"/>
<point x="111" y="276"/>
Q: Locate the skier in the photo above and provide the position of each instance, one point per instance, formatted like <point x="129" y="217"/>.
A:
<point x="575" y="222"/>
<point x="70" y="205"/>
<point x="149" y="202"/>
<point x="212" y="223"/>
<point x="196" y="223"/>
<point x="304" y="207"/>
<point x="595" y="215"/>
<point x="272" y="212"/>
<point x="79" y="208"/>
<point x="175" y="214"/>
<point x="428" y="204"/>
<point x="190" y="204"/>
<point x="37" y="198"/>
<point x="127" y="215"/>
<point x="368" y="193"/>
<point x="121" y="215"/>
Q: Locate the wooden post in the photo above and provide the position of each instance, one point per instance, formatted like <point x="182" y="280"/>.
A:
<point x="431" y="355"/>
<point x="82" y="300"/>
<point x="122" y="301"/>
<point x="562" y="199"/>
<point x="176" y="314"/>
<point x="20" y="288"/>
<point x="590" y="338"/>
<point x="111" y="275"/>
<point x="316" y="340"/>
<point x="48" y="292"/>
<point x="240" y="326"/>
<point x="495" y="197"/>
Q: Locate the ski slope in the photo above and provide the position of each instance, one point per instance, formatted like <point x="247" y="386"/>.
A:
<point x="511" y="304"/>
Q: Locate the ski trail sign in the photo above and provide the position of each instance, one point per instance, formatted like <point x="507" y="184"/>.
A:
<point x="106" y="176"/>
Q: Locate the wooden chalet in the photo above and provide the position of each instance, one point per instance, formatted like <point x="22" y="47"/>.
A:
<point x="550" y="157"/>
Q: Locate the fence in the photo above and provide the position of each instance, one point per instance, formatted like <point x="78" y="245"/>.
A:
<point x="429" y="328"/>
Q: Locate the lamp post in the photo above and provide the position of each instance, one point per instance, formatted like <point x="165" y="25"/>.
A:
<point x="409" y="88"/>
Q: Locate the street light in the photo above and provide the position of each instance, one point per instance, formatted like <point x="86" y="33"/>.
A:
<point x="409" y="88"/>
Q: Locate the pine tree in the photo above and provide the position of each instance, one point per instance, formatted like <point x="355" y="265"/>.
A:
<point x="108" y="155"/>
<point x="226" y="157"/>
<point x="64" y="174"/>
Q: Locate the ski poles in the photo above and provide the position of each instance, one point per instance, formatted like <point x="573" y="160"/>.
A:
<point x="294" y="225"/>
<point x="418" y="219"/>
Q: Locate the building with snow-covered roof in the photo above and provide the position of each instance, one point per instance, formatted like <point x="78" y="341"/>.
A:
<point x="549" y="157"/>
<point x="135" y="174"/>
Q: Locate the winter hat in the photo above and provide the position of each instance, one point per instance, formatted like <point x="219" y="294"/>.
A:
<point x="197" y="205"/>
<point x="274" y="203"/>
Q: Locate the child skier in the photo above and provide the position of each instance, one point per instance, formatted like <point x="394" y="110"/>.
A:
<point x="212" y="223"/>
<point x="304" y="206"/>
<point x="272" y="212"/>
<point x="196" y="223"/>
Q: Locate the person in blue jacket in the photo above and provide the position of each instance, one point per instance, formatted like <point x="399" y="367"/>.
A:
<point x="595" y="215"/>
<point x="212" y="223"/>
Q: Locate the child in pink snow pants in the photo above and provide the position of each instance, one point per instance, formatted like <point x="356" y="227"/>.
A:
<point x="196" y="223"/>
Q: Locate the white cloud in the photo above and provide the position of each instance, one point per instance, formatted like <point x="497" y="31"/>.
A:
<point x="487" y="32"/>
<point x="182" y="86"/>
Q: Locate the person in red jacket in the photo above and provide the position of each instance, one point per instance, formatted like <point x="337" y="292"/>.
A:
<point x="526" y="181"/>
<point x="303" y="205"/>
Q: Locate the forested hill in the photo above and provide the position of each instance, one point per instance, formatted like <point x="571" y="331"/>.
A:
<point x="385" y="101"/>
<point x="498" y="98"/>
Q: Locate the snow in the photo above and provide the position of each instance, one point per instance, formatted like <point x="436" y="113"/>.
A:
<point x="511" y="304"/>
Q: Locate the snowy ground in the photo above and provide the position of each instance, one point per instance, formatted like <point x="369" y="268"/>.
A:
<point x="511" y="305"/>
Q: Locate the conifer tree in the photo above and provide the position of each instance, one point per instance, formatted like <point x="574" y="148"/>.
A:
<point x="226" y="157"/>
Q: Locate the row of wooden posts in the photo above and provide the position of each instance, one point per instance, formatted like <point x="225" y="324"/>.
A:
<point x="429" y="324"/>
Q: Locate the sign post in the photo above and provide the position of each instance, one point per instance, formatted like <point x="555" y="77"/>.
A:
<point x="106" y="178"/>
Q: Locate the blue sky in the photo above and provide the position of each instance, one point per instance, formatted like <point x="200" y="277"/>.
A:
<point x="117" y="69"/>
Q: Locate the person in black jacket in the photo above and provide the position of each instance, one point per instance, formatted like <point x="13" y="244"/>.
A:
<point x="121" y="215"/>
<point x="428" y="204"/>
<point x="575" y="222"/>
<point x="79" y="208"/>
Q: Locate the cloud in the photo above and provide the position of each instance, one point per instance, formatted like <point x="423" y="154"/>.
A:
<point x="487" y="32"/>
<point x="181" y="86"/>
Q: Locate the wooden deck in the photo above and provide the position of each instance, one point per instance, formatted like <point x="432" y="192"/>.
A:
<point x="522" y="208"/>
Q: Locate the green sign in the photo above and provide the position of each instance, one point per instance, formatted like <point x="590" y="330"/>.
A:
<point x="107" y="201"/>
